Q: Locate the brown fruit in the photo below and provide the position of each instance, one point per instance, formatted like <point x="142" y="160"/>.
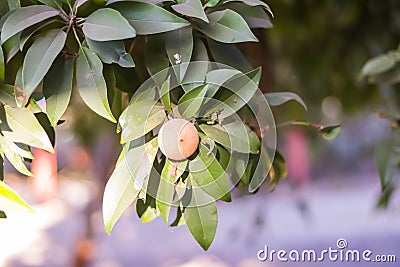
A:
<point x="178" y="139"/>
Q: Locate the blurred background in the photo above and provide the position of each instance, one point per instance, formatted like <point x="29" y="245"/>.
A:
<point x="316" y="49"/>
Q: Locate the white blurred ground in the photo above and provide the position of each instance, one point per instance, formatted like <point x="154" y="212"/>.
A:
<point x="339" y="207"/>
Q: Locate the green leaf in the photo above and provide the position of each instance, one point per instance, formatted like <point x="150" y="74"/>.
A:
<point x="209" y="175"/>
<point x="165" y="97"/>
<point x="107" y="24"/>
<point x="146" y="210"/>
<point x="202" y="220"/>
<point x="21" y="149"/>
<point x="253" y="3"/>
<point x="277" y="99"/>
<point x="29" y="32"/>
<point x="91" y="84"/>
<point x="126" y="181"/>
<point x="57" y="88"/>
<point x="179" y="47"/>
<point x="230" y="55"/>
<point x="165" y="194"/>
<point x="15" y="159"/>
<point x="255" y="16"/>
<point x="40" y="57"/>
<point x="140" y="118"/>
<point x="11" y="47"/>
<point x="235" y="135"/>
<point x="2" y="65"/>
<point x="330" y="132"/>
<point x="380" y="64"/>
<point x="241" y="89"/>
<point x="26" y="129"/>
<point x="190" y="103"/>
<point x="46" y="125"/>
<point x="54" y="3"/>
<point x="179" y="219"/>
<point x="6" y="95"/>
<point x="111" y="52"/>
<point x="242" y="171"/>
<point x="263" y="167"/>
<point x="278" y="170"/>
<point x="212" y="3"/>
<point x="148" y="18"/>
<point x="11" y="201"/>
<point x="3" y="215"/>
<point x="197" y="68"/>
<point x="156" y="58"/>
<point x="387" y="156"/>
<point x="24" y="17"/>
<point x="13" y="4"/>
<point x="227" y="26"/>
<point x="191" y="8"/>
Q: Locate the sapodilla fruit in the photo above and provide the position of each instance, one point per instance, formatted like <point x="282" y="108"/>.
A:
<point x="178" y="139"/>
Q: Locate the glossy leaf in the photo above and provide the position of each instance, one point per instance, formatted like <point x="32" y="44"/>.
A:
<point x="140" y="118"/>
<point x="191" y="8"/>
<point x="91" y="84"/>
<point x="387" y="155"/>
<point x="277" y="99"/>
<point x="148" y="18"/>
<point x="330" y="132"/>
<point x="202" y="220"/>
<point x="241" y="89"/>
<point x="46" y="125"/>
<point x="13" y="4"/>
<point x="198" y="68"/>
<point x="165" y="194"/>
<point x="40" y="57"/>
<point x="209" y="175"/>
<point x="146" y="210"/>
<point x="54" y="3"/>
<point x="212" y="3"/>
<point x="111" y="52"/>
<point x="26" y="129"/>
<point x="278" y="170"/>
<point x="265" y="161"/>
<point x="57" y="88"/>
<point x="126" y="181"/>
<point x="179" y="219"/>
<point x="253" y="3"/>
<point x="2" y="65"/>
<point x="165" y="97"/>
<point x="179" y="47"/>
<point x="156" y="58"/>
<point x="190" y="103"/>
<point x="11" y="201"/>
<point x="29" y="32"/>
<point x="15" y="159"/>
<point x="380" y="64"/>
<point x="107" y="24"/>
<point x="6" y="95"/>
<point x="255" y="16"/>
<point x="227" y="26"/>
<point x="230" y="55"/>
<point x="24" y="17"/>
<point x="11" y="47"/>
<point x="235" y="135"/>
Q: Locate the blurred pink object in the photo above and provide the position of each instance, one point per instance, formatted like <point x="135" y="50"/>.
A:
<point x="297" y="156"/>
<point x="44" y="168"/>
